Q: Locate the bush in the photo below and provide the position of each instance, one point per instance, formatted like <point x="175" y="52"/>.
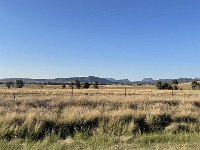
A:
<point x="86" y="85"/>
<point x="8" y="84"/>
<point x="19" y="83"/>
<point x="175" y="81"/>
<point x="71" y="85"/>
<point x="96" y="86"/>
<point x="164" y="86"/>
<point x="195" y="85"/>
<point x="77" y="84"/>
<point x="63" y="86"/>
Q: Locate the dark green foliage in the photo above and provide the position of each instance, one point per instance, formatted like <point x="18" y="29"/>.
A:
<point x="175" y="85"/>
<point x="86" y="85"/>
<point x="8" y="84"/>
<point x="63" y="86"/>
<point x="77" y="84"/>
<point x="159" y="85"/>
<point x="163" y="86"/>
<point x="96" y="86"/>
<point x="19" y="83"/>
<point x="175" y="81"/>
<point x="195" y="85"/>
<point x="71" y="85"/>
<point x="167" y="86"/>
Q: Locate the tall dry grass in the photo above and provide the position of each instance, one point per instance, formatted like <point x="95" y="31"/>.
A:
<point x="35" y="112"/>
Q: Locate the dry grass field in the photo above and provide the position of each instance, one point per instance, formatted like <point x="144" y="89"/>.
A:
<point x="104" y="118"/>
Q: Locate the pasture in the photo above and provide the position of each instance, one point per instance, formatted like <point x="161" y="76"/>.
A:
<point x="140" y="117"/>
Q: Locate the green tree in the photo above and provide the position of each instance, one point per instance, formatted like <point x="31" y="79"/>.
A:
<point x="159" y="85"/>
<point x="8" y="84"/>
<point x="164" y="86"/>
<point x="71" y="85"/>
<point x="96" y="85"/>
<point x="175" y="81"/>
<point x="175" y="85"/>
<point x="77" y="84"/>
<point x="63" y="86"/>
<point x="19" y="83"/>
<point x="195" y="84"/>
<point x="86" y="85"/>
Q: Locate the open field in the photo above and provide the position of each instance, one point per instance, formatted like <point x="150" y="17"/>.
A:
<point x="146" y="118"/>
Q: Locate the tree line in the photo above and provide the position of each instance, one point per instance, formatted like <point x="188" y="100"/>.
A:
<point x="17" y="84"/>
<point x="85" y="85"/>
<point x="168" y="86"/>
<point x="77" y="84"/>
<point x="195" y="85"/>
<point x="174" y="85"/>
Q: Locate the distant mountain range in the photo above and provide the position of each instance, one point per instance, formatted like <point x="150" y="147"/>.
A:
<point x="92" y="79"/>
<point x="152" y="81"/>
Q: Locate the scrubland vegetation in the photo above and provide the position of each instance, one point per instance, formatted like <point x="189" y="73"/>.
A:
<point x="104" y="118"/>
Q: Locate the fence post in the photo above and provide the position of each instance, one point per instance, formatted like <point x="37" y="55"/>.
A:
<point x="72" y="90"/>
<point x="14" y="96"/>
<point x="125" y="92"/>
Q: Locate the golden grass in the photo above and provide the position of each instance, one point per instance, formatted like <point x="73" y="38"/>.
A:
<point x="36" y="112"/>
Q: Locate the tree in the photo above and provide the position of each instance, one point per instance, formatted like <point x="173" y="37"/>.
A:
<point x="8" y="84"/>
<point x="71" y="85"/>
<point x="86" y="85"/>
<point x="77" y="84"/>
<point x="164" y="86"/>
<point x="159" y="85"/>
<point x="195" y="84"/>
<point x="175" y="81"/>
<point x="96" y="86"/>
<point x="63" y="86"/>
<point x="175" y="85"/>
<point x="19" y="83"/>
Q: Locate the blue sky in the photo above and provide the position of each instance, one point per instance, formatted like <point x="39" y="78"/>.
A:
<point x="108" y="38"/>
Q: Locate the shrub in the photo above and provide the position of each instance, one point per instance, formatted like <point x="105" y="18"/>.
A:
<point x="195" y="85"/>
<point x="167" y="86"/>
<point x="63" y="86"/>
<point x="19" y="83"/>
<point x="71" y="85"/>
<point x="86" y="85"/>
<point x="159" y="85"/>
<point x="96" y="86"/>
<point x="8" y="84"/>
<point x="175" y="81"/>
<point x="77" y="84"/>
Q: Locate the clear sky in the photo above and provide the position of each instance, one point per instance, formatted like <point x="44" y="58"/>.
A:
<point x="107" y="38"/>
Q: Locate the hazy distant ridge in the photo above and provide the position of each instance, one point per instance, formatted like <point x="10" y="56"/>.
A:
<point x="71" y="79"/>
<point x="98" y="79"/>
